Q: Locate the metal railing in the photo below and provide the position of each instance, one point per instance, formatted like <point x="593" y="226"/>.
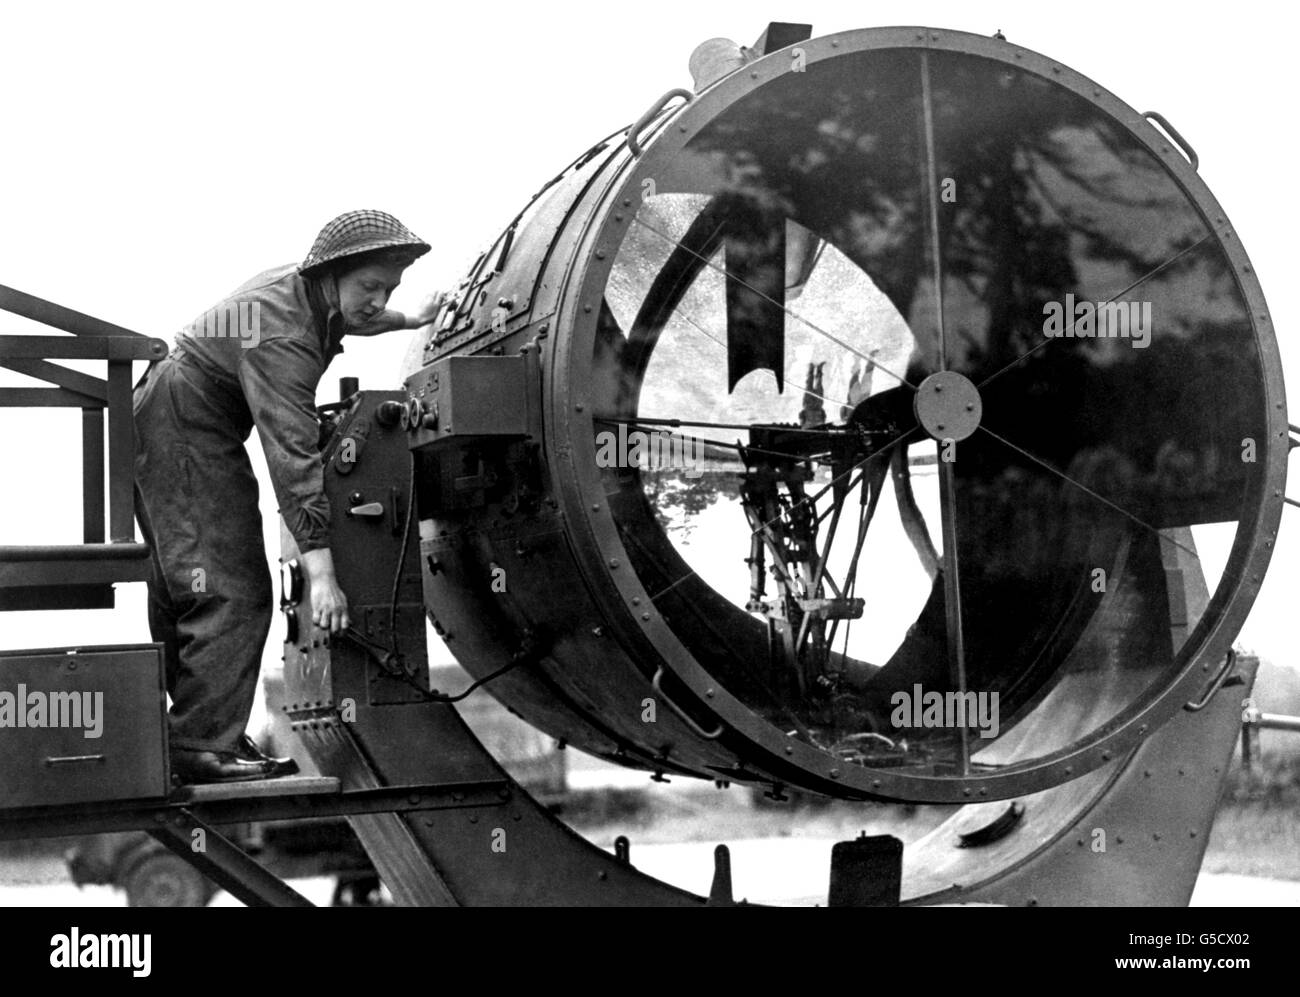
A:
<point x="44" y="569"/>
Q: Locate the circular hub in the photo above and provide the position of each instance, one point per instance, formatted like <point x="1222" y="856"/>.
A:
<point x="948" y="406"/>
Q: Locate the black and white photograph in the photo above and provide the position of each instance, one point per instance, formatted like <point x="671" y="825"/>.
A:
<point x="642" y="455"/>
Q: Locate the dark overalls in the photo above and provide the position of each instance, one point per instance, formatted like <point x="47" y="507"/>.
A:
<point x="253" y="360"/>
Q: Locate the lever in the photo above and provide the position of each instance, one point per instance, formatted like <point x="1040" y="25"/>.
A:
<point x="371" y="510"/>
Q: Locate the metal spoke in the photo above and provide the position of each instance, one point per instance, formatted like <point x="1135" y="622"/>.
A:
<point x="1146" y="276"/>
<point x="785" y="308"/>
<point x="677" y="310"/>
<point x="952" y="592"/>
<point x="930" y="171"/>
<point x="1086" y="490"/>
<point x="947" y="473"/>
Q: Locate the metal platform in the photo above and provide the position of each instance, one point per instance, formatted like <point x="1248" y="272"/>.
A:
<point x="186" y="821"/>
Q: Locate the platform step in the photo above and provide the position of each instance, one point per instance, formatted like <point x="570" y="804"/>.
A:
<point x="291" y="785"/>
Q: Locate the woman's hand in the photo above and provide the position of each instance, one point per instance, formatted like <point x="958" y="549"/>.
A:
<point x="427" y="311"/>
<point x="329" y="606"/>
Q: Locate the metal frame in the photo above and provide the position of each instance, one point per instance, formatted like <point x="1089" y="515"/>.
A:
<point x="173" y="821"/>
<point x="595" y="534"/>
<point x="83" y="573"/>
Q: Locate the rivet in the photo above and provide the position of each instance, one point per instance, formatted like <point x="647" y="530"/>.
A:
<point x="645" y="616"/>
<point x="835" y="773"/>
<point x="613" y="562"/>
<point x="595" y="507"/>
<point x="577" y="408"/>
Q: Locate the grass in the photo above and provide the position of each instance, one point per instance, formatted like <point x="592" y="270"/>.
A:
<point x="1256" y="830"/>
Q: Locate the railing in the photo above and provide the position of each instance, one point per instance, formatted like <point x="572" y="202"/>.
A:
<point x="79" y="575"/>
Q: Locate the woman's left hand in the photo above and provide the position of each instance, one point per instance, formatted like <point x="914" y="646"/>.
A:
<point x="428" y="309"/>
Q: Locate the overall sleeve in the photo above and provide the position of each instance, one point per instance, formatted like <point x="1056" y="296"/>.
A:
<point x="279" y="379"/>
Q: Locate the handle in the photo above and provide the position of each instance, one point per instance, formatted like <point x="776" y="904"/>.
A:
<point x="1183" y="145"/>
<point x="72" y="759"/>
<point x="634" y="133"/>
<point x="1215" y="686"/>
<point x="711" y="736"/>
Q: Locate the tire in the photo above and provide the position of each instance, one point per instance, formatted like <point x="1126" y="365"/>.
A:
<point x="161" y="879"/>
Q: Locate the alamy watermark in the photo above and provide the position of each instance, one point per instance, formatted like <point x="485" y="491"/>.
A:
<point x="1103" y="320"/>
<point x="34" y="708"/>
<point x="920" y="709"/>
<point x="655" y="450"/>
<point x="102" y="951"/>
<point x="240" y="320"/>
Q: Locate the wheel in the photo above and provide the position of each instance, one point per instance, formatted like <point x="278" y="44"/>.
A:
<point x="162" y="879"/>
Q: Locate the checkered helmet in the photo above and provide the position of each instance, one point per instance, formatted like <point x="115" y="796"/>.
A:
<point x="356" y="232"/>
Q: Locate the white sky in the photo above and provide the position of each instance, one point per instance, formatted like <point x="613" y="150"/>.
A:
<point x="154" y="156"/>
